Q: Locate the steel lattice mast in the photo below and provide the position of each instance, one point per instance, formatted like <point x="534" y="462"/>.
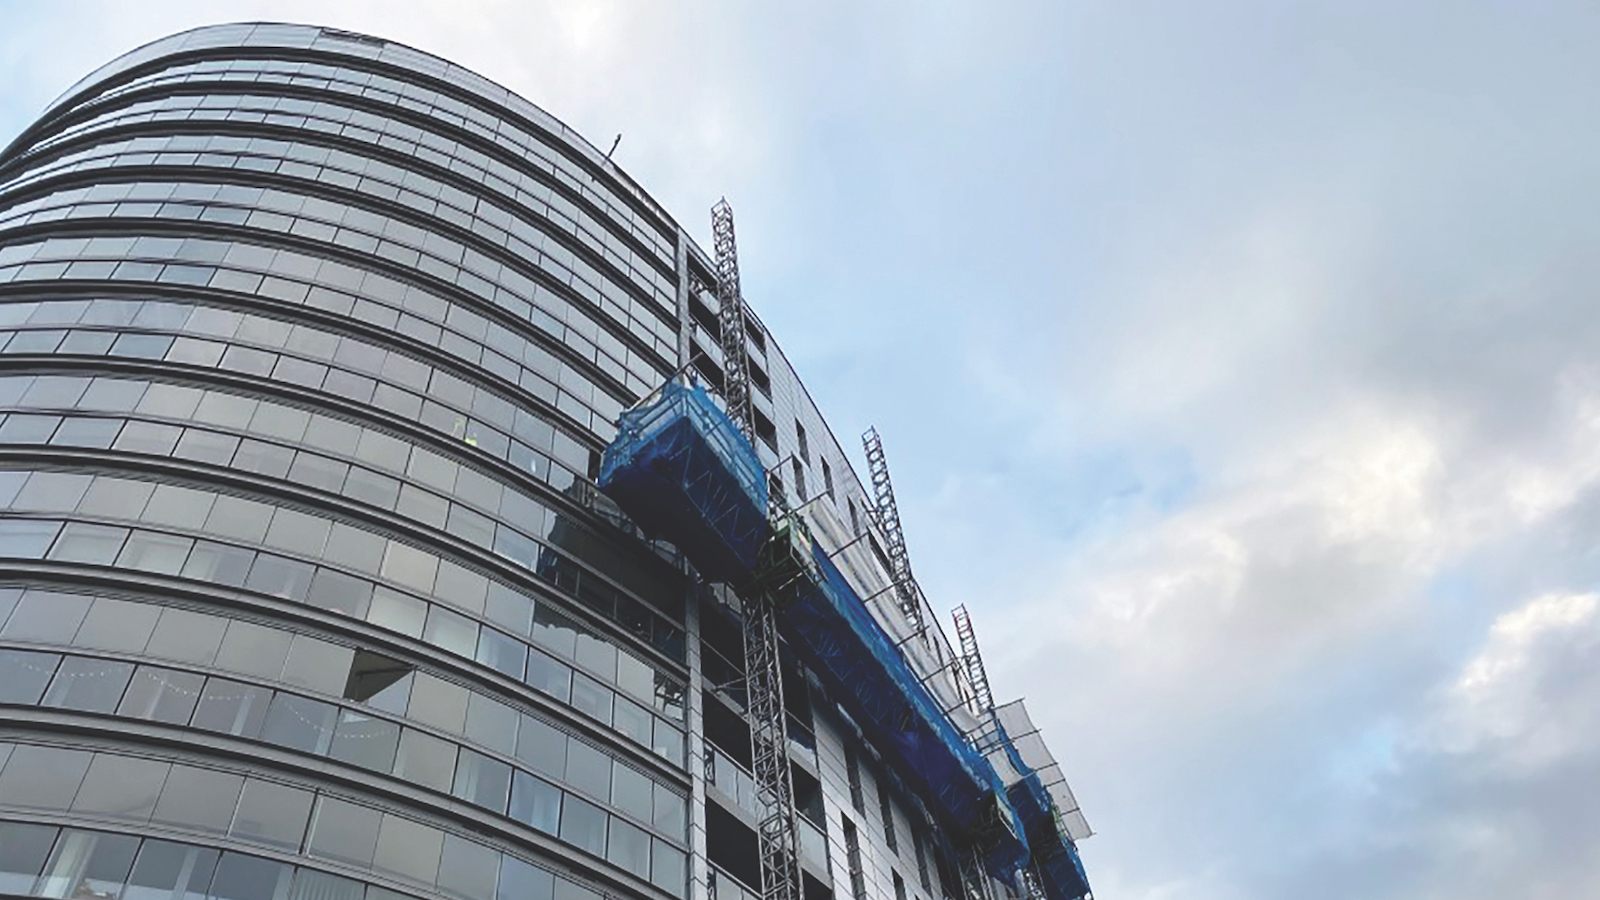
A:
<point x="887" y="514"/>
<point x="730" y="317"/>
<point x="777" y="832"/>
<point x="987" y="735"/>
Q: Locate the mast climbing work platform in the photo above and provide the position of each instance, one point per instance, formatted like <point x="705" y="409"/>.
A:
<point x="686" y="469"/>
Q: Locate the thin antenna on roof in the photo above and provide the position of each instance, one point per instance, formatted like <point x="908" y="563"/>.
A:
<point x="614" y="146"/>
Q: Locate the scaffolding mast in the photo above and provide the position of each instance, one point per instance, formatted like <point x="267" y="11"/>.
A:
<point x="887" y="514"/>
<point x="986" y="736"/>
<point x="730" y="319"/>
<point x="977" y="678"/>
<point x="777" y="832"/>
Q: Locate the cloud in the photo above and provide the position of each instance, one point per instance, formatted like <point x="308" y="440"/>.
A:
<point x="1513" y="704"/>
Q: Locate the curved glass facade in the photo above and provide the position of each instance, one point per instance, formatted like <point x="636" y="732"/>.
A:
<point x="309" y="345"/>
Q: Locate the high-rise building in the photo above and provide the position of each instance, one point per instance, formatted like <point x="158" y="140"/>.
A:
<point x="310" y="347"/>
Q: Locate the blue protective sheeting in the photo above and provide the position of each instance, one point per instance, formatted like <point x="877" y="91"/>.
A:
<point x="831" y="629"/>
<point x="684" y="473"/>
<point x="1054" y="854"/>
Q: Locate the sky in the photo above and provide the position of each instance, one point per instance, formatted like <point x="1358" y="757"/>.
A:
<point x="1235" y="364"/>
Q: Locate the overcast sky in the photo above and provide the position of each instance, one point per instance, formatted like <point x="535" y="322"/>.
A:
<point x="1236" y="362"/>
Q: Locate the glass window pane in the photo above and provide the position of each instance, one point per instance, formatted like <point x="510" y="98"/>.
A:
<point x="510" y="609"/>
<point x="88" y="864"/>
<point x="482" y="781"/>
<point x="222" y="564"/>
<point x="542" y="746"/>
<point x="597" y="654"/>
<point x="299" y="723"/>
<point x="122" y="787"/>
<point x="90" y="685"/>
<point x="583" y="825"/>
<point x="232" y="707"/>
<point x="116" y="498"/>
<point x="179" y="507"/>
<point x="339" y="593"/>
<point x="635" y="677"/>
<point x="186" y="635"/>
<point x="199" y="799"/>
<point x="438" y="703"/>
<point x="168" y="871"/>
<point x="310" y="884"/>
<point x="461" y="587"/>
<point x="547" y="675"/>
<point x="42" y="777"/>
<point x="535" y="802"/>
<point x="397" y="612"/>
<point x="24" y="675"/>
<point x="408" y="849"/>
<point x="409" y="566"/>
<point x="52" y="491"/>
<point x="26" y="538"/>
<point x="451" y="632"/>
<point x="425" y="760"/>
<point x="632" y="792"/>
<point x="117" y="625"/>
<point x="345" y="832"/>
<point x="589" y="770"/>
<point x="242" y="877"/>
<point x="502" y="652"/>
<point x="318" y="664"/>
<point x="47" y="616"/>
<point x="151" y="551"/>
<point x="467" y="869"/>
<point x="521" y="880"/>
<point x="272" y="814"/>
<point x="23" y="851"/>
<point x="632" y="720"/>
<point x="280" y="577"/>
<point x="297" y="532"/>
<point x="668" y="743"/>
<point x="240" y="519"/>
<point x="671" y="810"/>
<point x="162" y="695"/>
<point x="82" y="542"/>
<point x="554" y="631"/>
<point x="252" y="649"/>
<point x="629" y="847"/>
<point x="491" y="723"/>
<point x="353" y="547"/>
<point x="365" y="741"/>
<point x="85" y="432"/>
<point x="668" y="868"/>
<point x="591" y="697"/>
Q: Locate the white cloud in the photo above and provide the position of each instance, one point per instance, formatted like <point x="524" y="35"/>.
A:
<point x="1502" y="705"/>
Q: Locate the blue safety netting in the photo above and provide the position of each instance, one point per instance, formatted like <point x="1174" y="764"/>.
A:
<point x="684" y="473"/>
<point x="1054" y="854"/>
<point x="830" y="628"/>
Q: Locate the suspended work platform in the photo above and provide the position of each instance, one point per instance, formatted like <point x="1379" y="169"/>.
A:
<point x="683" y="472"/>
